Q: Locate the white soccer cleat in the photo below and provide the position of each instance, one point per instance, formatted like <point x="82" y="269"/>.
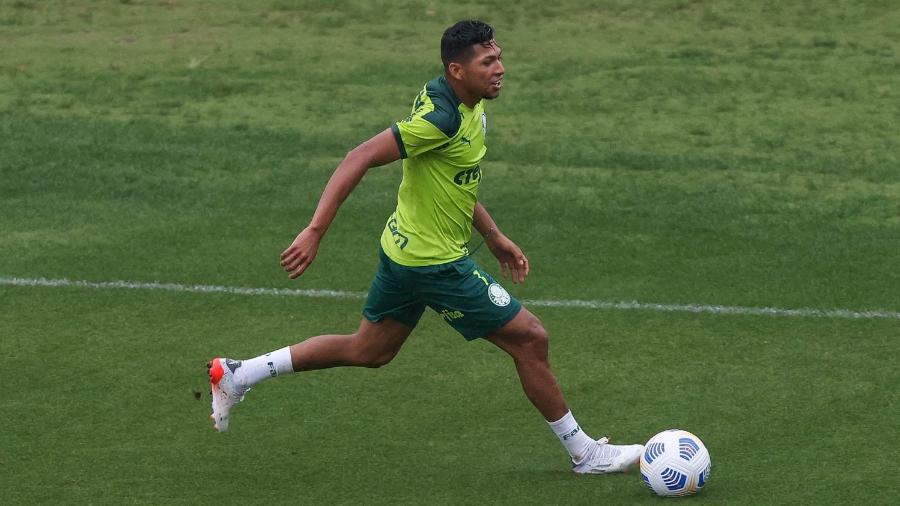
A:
<point x="606" y="458"/>
<point x="225" y="390"/>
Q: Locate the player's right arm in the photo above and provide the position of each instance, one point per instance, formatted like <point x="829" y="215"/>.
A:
<point x="380" y="150"/>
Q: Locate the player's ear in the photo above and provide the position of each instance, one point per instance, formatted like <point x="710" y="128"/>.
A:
<point x="455" y="70"/>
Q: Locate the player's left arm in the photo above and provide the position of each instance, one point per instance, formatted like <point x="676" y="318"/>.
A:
<point x="513" y="262"/>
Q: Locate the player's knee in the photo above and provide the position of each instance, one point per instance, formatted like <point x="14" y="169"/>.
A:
<point x="540" y="340"/>
<point x="379" y="360"/>
<point x="536" y="341"/>
<point x="365" y="355"/>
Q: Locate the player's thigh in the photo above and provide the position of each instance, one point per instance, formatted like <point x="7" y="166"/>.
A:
<point x="383" y="337"/>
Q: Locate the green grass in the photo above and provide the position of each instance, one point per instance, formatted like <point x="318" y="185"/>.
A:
<point x="731" y="153"/>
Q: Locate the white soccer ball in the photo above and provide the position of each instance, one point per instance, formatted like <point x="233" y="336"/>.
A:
<point x="675" y="462"/>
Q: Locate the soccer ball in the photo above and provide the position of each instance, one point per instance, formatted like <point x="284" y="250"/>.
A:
<point x="675" y="462"/>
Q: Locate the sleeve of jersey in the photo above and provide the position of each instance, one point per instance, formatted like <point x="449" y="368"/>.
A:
<point x="417" y="135"/>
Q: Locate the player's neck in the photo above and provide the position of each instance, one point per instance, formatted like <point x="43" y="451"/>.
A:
<point x="467" y="98"/>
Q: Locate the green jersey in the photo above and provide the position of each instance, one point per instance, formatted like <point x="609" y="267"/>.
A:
<point x="441" y="144"/>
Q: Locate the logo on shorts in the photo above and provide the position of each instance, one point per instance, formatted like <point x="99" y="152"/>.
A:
<point x="499" y="296"/>
<point x="451" y="315"/>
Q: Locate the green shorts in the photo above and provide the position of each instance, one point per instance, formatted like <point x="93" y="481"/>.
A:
<point x="465" y="296"/>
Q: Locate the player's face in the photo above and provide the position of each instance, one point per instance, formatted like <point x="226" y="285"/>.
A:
<point x="484" y="72"/>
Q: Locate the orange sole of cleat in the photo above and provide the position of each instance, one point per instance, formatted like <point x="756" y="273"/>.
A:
<point x="216" y="372"/>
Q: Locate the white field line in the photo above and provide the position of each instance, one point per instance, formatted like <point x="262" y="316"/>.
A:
<point x="341" y="294"/>
<point x="176" y="287"/>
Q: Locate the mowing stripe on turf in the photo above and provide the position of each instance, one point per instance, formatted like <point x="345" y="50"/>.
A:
<point x="342" y="294"/>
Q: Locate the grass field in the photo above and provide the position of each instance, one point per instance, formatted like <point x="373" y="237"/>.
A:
<point x="729" y="153"/>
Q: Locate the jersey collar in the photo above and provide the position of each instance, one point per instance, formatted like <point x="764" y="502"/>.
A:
<point x="452" y="94"/>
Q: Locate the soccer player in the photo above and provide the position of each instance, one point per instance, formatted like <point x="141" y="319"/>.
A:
<point x="424" y="254"/>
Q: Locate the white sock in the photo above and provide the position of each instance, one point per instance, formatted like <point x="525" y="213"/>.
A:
<point x="274" y="363"/>
<point x="577" y="443"/>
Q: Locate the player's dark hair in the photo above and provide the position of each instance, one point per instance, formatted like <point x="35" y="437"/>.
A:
<point x="457" y="41"/>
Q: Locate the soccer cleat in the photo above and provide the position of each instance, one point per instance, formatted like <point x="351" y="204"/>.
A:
<point x="225" y="390"/>
<point x="606" y="458"/>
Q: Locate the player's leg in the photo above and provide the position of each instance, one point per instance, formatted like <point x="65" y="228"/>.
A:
<point x="372" y="345"/>
<point x="527" y="342"/>
<point x="476" y="305"/>
<point x="391" y="312"/>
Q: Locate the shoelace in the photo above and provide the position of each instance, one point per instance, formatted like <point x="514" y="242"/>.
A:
<point x="606" y="451"/>
<point x="599" y="452"/>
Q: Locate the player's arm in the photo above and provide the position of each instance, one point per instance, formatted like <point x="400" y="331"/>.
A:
<point x="513" y="261"/>
<point x="379" y="150"/>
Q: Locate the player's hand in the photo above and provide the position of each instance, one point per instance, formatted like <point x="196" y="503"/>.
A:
<point x="513" y="263"/>
<point x="301" y="252"/>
